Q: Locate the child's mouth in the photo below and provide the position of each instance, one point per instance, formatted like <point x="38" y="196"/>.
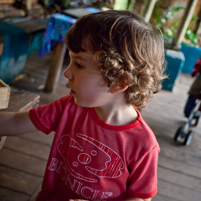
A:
<point x="71" y="91"/>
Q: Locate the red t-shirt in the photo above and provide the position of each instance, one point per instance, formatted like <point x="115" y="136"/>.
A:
<point x="92" y="160"/>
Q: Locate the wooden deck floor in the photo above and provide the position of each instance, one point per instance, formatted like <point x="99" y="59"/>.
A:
<point x="23" y="159"/>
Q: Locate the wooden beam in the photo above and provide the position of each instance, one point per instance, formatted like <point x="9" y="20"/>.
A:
<point x="184" y="24"/>
<point x="28" y="4"/>
<point x="149" y="6"/>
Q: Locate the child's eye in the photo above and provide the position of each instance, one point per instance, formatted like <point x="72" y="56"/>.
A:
<point x="78" y="65"/>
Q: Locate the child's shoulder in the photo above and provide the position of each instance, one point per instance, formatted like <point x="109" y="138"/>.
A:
<point x="145" y="134"/>
<point x="142" y="133"/>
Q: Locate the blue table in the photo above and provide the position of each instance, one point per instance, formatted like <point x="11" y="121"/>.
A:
<point x="56" y="29"/>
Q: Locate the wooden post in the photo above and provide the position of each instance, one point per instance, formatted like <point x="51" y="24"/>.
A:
<point x="28" y="4"/>
<point x="149" y="6"/>
<point x="184" y="24"/>
<point x="55" y="66"/>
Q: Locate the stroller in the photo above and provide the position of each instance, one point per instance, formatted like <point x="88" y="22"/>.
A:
<point x="183" y="134"/>
<point x="192" y="109"/>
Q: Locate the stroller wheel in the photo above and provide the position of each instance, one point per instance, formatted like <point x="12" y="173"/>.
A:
<point x="188" y="138"/>
<point x="196" y="119"/>
<point x="179" y="134"/>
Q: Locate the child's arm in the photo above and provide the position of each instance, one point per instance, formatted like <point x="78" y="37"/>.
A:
<point x="12" y="123"/>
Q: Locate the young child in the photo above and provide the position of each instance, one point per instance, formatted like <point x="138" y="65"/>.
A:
<point x="194" y="91"/>
<point x="103" y="149"/>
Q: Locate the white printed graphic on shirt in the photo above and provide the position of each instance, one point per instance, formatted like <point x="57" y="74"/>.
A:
<point x="112" y="167"/>
<point x="87" y="192"/>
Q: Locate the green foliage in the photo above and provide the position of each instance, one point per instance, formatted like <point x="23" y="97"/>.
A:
<point x="190" y="35"/>
<point x="171" y="15"/>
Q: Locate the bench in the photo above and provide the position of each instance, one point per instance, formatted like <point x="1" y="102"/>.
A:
<point x="26" y="37"/>
<point x="33" y="26"/>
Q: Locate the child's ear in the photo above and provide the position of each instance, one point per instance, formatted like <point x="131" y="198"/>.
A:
<point x="117" y="89"/>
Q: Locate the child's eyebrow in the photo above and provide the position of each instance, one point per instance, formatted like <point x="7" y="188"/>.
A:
<point x="77" y="57"/>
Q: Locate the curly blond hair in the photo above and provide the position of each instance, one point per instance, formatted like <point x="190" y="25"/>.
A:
<point x="129" y="50"/>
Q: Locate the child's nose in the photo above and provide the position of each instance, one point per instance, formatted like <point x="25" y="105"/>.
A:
<point x="68" y="73"/>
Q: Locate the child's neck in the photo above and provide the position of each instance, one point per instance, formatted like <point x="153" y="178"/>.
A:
<point x="117" y="115"/>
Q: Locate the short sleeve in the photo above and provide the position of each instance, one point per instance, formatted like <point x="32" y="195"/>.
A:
<point x="143" y="175"/>
<point x="46" y="117"/>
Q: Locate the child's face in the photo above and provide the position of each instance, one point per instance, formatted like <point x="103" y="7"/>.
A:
<point x="87" y="85"/>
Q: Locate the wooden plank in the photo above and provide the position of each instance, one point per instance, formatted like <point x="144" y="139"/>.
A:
<point x="189" y="154"/>
<point x="21" y="100"/>
<point x="35" y="194"/>
<point x="29" y="83"/>
<point x="4" y="94"/>
<point x="31" y="148"/>
<point x="9" y="195"/>
<point x="177" y="192"/>
<point x="18" y="181"/>
<point x="40" y="138"/>
<point x="178" y="166"/>
<point x="180" y="179"/>
<point x="25" y="163"/>
<point x="34" y="25"/>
